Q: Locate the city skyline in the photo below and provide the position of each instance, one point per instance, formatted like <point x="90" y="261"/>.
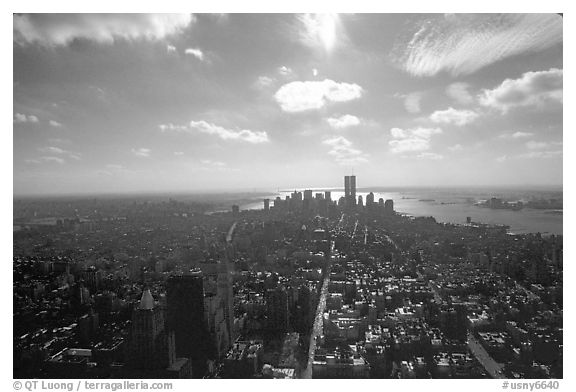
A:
<point x="185" y="103"/>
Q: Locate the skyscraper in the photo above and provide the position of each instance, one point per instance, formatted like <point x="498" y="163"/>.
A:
<point x="185" y="300"/>
<point x="350" y="190"/>
<point x="277" y="309"/>
<point x="370" y="199"/>
<point x="389" y="206"/>
<point x="151" y="347"/>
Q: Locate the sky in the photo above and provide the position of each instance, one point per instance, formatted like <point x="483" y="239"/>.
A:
<point x="106" y="103"/>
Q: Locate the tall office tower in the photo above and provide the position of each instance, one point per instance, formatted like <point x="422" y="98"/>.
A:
<point x="308" y="194"/>
<point x="328" y="195"/>
<point x="389" y="206"/>
<point x="350" y="190"/>
<point x="185" y="301"/>
<point x="151" y="347"/>
<point x="277" y="309"/>
<point x="369" y="199"/>
<point x="360" y="202"/>
<point x="266" y="204"/>
<point x="215" y="308"/>
<point x="235" y="210"/>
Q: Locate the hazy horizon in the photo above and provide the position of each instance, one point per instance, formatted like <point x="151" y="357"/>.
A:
<point x="180" y="103"/>
<point x="257" y="191"/>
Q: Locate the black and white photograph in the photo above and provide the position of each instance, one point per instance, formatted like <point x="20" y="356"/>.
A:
<point x="277" y="195"/>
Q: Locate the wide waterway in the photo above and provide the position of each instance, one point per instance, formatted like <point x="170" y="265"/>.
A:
<point x="454" y="207"/>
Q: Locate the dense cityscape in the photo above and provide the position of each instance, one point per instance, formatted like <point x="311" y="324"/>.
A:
<point x="287" y="195"/>
<point x="305" y="287"/>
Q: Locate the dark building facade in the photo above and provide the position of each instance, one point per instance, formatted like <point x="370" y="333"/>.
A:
<point x="350" y="190"/>
<point x="185" y="300"/>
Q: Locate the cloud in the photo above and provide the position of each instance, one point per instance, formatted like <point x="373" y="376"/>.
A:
<point x="285" y="71"/>
<point x="410" y="140"/>
<point x="453" y="116"/>
<point x="55" y="124"/>
<point x="539" y="89"/>
<point x="412" y="101"/>
<point x="541" y="154"/>
<point x="459" y="92"/>
<point x="429" y="155"/>
<point x="456" y="147"/>
<point x="464" y="43"/>
<point x="244" y="135"/>
<point x="141" y="152"/>
<point x="533" y="145"/>
<point x="343" y="152"/>
<point x="516" y="135"/>
<point x="195" y="52"/>
<point x="45" y="159"/>
<point x="320" y="30"/>
<point x="263" y="82"/>
<point x="172" y="127"/>
<point x="344" y="121"/>
<point x="213" y="165"/>
<point x="23" y="118"/>
<point x="60" y="151"/>
<point x="300" y="96"/>
<point x="502" y="158"/>
<point x="212" y="129"/>
<point x="409" y="145"/>
<point x="178" y="153"/>
<point x="61" y="29"/>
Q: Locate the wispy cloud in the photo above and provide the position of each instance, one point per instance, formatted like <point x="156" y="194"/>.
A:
<point x="208" y="164"/>
<point x="535" y="145"/>
<point x="539" y="89"/>
<point x="61" y="29"/>
<point x="244" y="135"/>
<point x="464" y="43"/>
<point x="172" y="127"/>
<point x="516" y="135"/>
<point x="282" y="74"/>
<point x="344" y="121"/>
<point x="343" y="152"/>
<point x="285" y="71"/>
<point x="321" y="30"/>
<point x="300" y="96"/>
<point x="453" y="116"/>
<point x="60" y="151"/>
<point x="412" y="101"/>
<point x="410" y="140"/>
<point x="430" y="155"/>
<point x="459" y="92"/>
<point x="46" y="159"/>
<point x="55" y="124"/>
<point x="541" y="154"/>
<point x="23" y="118"/>
<point x="195" y="52"/>
<point x="141" y="152"/>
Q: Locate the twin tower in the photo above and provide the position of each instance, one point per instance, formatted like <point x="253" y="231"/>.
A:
<point x="350" y="190"/>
